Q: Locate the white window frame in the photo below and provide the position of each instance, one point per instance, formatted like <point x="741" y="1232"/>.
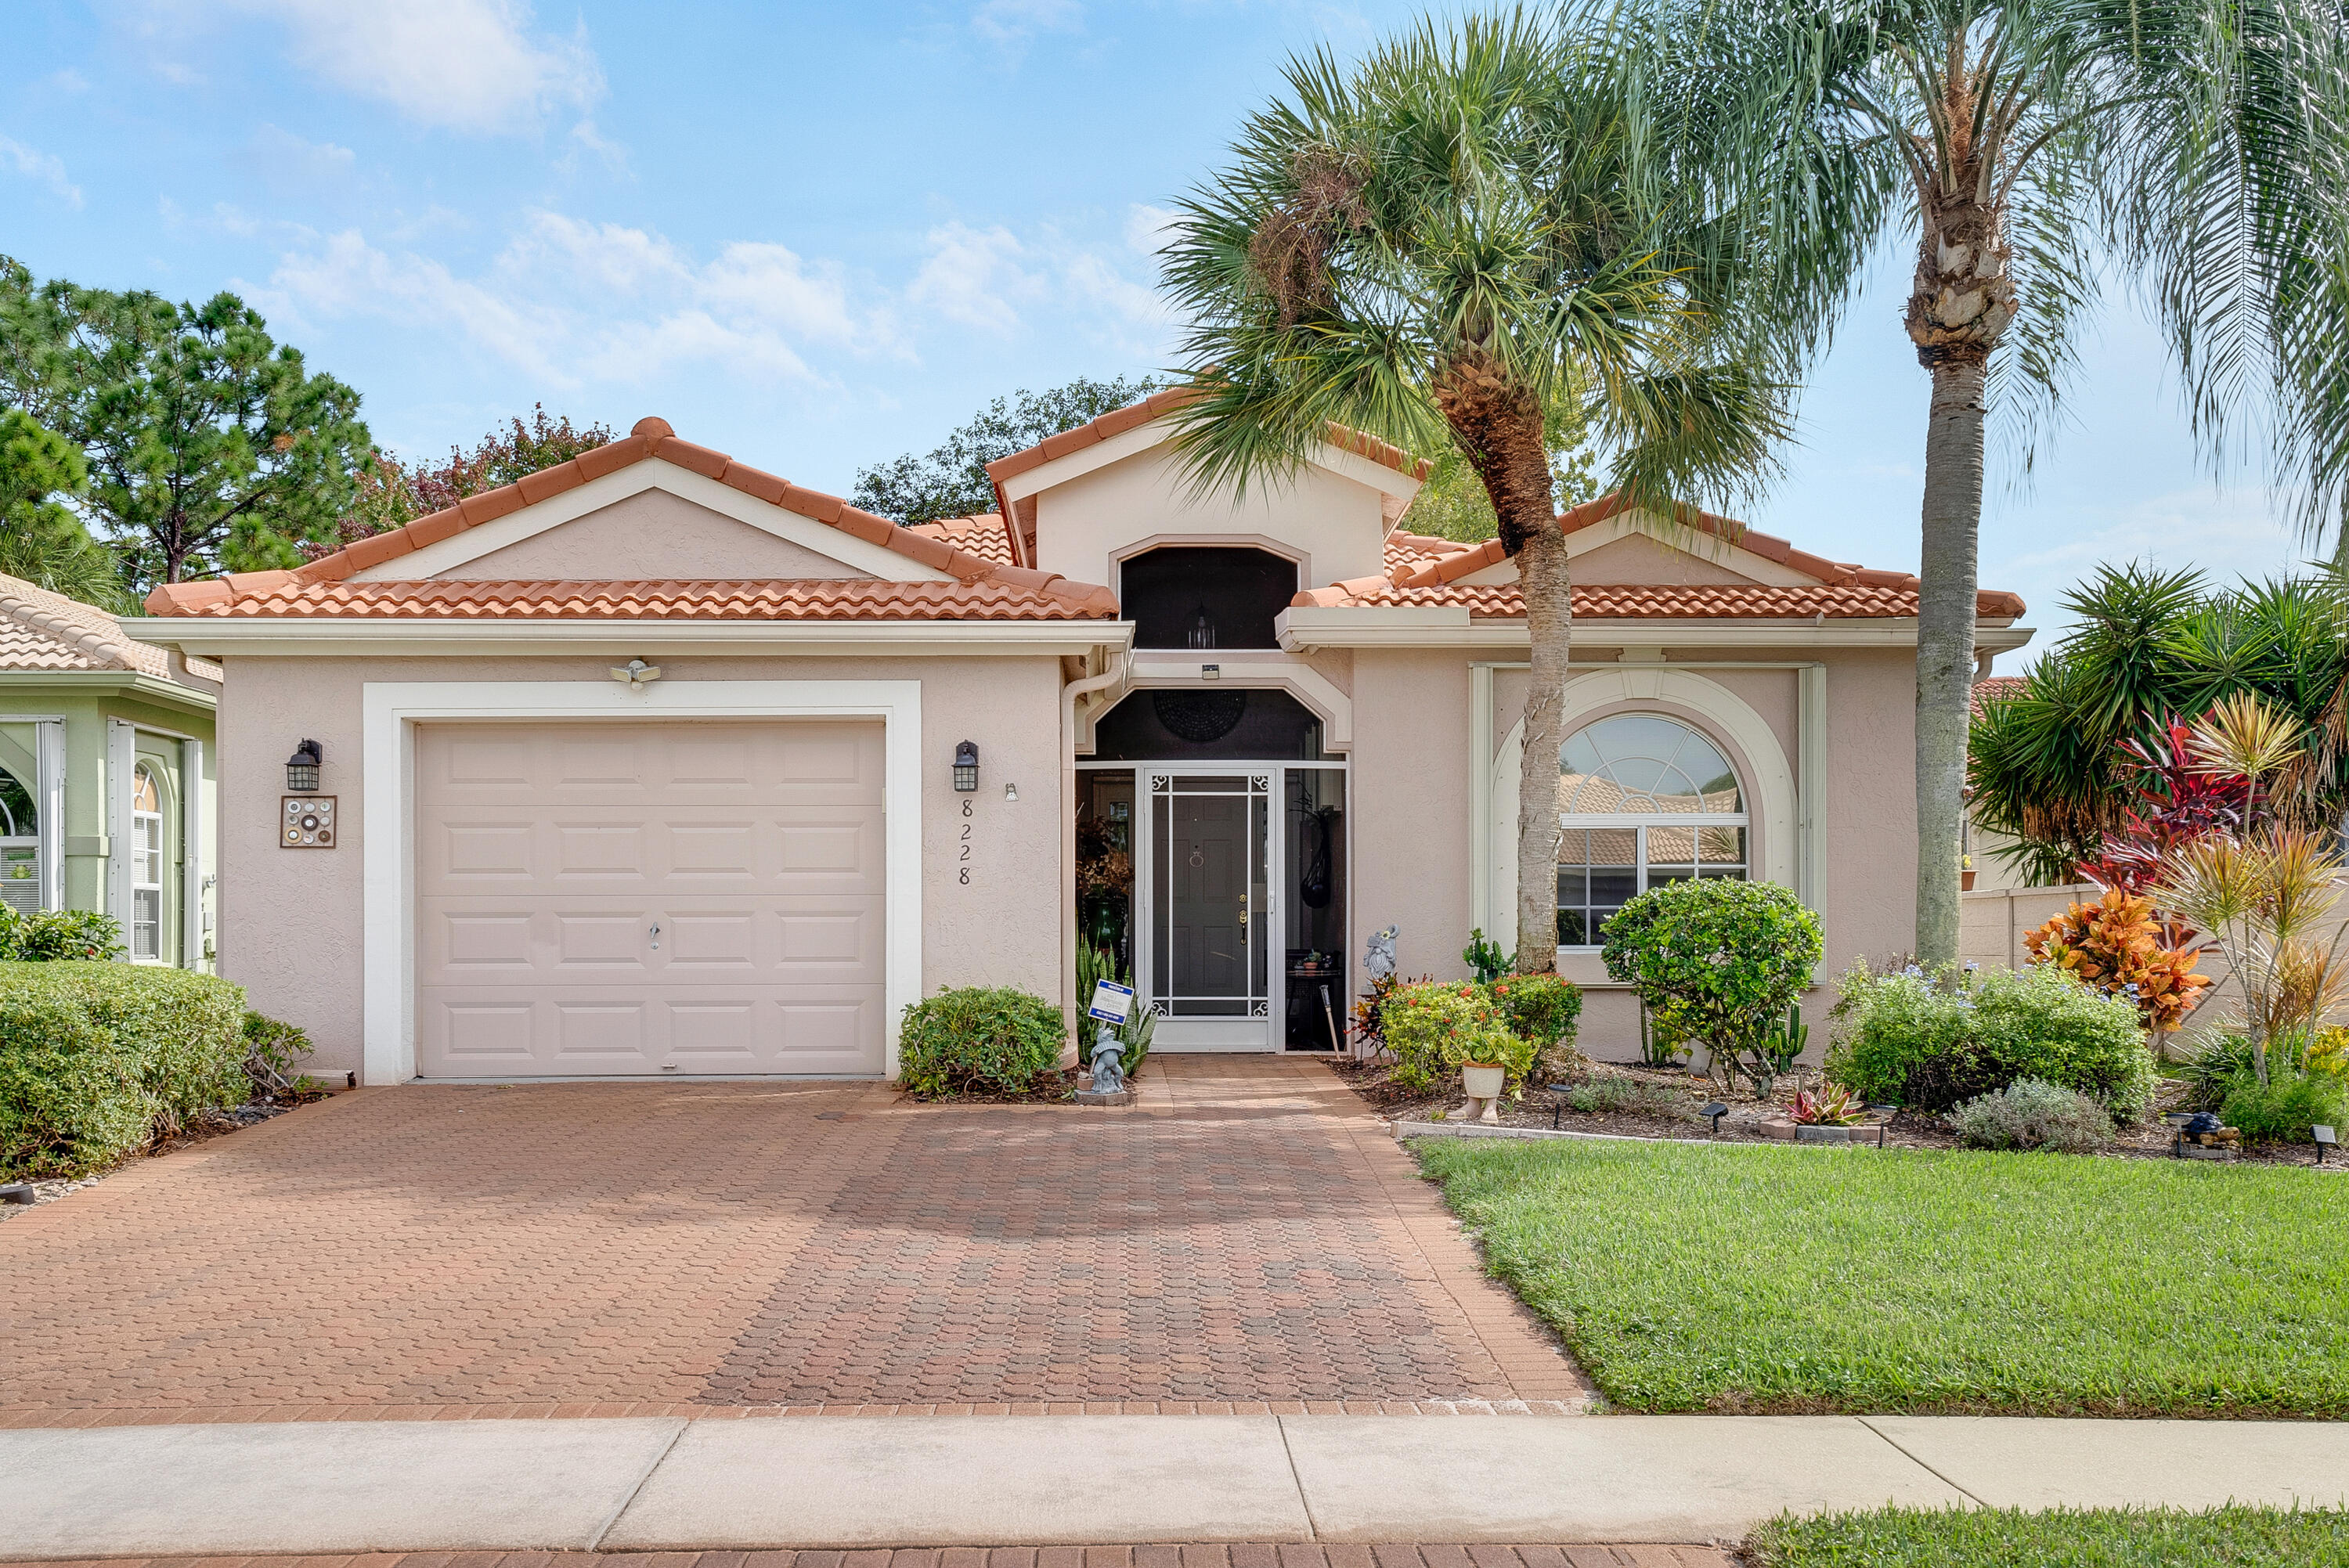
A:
<point x="140" y="823"/>
<point x="390" y="711"/>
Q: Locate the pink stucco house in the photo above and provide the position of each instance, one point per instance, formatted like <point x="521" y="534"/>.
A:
<point x="655" y="763"/>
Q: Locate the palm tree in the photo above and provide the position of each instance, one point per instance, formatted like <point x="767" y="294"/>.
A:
<point x="2024" y="145"/>
<point x="1437" y="246"/>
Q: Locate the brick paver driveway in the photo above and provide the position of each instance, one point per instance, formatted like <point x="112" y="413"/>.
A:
<point x="1246" y="1234"/>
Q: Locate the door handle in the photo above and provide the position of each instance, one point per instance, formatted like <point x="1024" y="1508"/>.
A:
<point x="656" y="936"/>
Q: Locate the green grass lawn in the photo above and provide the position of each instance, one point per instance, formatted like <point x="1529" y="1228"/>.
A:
<point x="2086" y="1538"/>
<point x="1756" y="1278"/>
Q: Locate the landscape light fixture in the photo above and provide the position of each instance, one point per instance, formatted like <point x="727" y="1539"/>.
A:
<point x="302" y="768"/>
<point x="2325" y="1139"/>
<point x="965" y="767"/>
<point x="1714" y="1110"/>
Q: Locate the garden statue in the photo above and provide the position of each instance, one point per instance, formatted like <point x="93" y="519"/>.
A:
<point x="1380" y="962"/>
<point x="1109" y="1064"/>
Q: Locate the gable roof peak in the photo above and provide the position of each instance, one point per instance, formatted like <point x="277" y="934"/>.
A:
<point x="650" y="437"/>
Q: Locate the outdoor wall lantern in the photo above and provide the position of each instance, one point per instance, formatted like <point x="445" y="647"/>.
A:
<point x="302" y="768"/>
<point x="965" y="767"/>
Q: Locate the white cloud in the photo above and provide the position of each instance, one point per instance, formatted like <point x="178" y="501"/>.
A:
<point x="993" y="280"/>
<point x="589" y="140"/>
<point x="289" y="163"/>
<point x="69" y="81"/>
<point x="976" y="278"/>
<point x="1016" y="21"/>
<point x="457" y="64"/>
<point x="1147" y="228"/>
<point x="574" y="303"/>
<point x="45" y="167"/>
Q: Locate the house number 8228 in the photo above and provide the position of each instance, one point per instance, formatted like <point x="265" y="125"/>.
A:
<point x="964" y="869"/>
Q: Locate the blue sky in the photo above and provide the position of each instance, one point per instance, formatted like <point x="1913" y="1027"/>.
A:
<point x="818" y="236"/>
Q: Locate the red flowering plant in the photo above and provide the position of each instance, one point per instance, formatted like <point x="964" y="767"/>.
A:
<point x="2122" y="944"/>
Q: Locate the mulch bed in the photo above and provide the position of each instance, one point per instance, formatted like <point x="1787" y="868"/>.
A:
<point x="203" y="1128"/>
<point x="1048" y="1089"/>
<point x="1546" y="1109"/>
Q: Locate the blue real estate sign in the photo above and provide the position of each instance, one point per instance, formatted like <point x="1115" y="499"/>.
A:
<point x="1113" y="1003"/>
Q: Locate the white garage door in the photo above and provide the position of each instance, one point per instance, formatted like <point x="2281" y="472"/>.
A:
<point x="624" y="898"/>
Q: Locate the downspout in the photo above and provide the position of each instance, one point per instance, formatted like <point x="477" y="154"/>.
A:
<point x="1070" y="693"/>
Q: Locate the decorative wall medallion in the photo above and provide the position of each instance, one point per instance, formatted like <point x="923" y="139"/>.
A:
<point x="308" y="823"/>
<point x="1199" y="717"/>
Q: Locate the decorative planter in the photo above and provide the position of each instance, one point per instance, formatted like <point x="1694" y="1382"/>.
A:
<point x="1965" y="882"/>
<point x="1483" y="1080"/>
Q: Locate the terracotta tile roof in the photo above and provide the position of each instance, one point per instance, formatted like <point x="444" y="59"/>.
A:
<point x="1013" y="593"/>
<point x="1119" y="421"/>
<point x="1406" y="550"/>
<point x="984" y="536"/>
<point x="1998" y="688"/>
<point x="650" y="439"/>
<point x="1629" y="600"/>
<point x="1419" y="573"/>
<point x="44" y="631"/>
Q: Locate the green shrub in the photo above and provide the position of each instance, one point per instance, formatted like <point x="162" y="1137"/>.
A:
<point x="978" y="1040"/>
<point x="1436" y="1025"/>
<point x="2285" y="1109"/>
<point x="98" y="1059"/>
<point x="2029" y="1114"/>
<point x="1901" y="1039"/>
<point x="2223" y="1055"/>
<point x="271" y="1051"/>
<point x="1728" y="957"/>
<point x="53" y="934"/>
<point x="1542" y="1010"/>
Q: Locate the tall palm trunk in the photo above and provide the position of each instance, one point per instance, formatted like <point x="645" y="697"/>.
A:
<point x="1962" y="299"/>
<point x="1945" y="648"/>
<point x="1499" y="428"/>
<point x="1549" y="621"/>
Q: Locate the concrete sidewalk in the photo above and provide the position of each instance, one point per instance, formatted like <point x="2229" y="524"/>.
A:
<point x="645" y="1485"/>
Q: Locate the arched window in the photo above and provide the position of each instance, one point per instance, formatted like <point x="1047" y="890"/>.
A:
<point x="1643" y="800"/>
<point x="146" y="864"/>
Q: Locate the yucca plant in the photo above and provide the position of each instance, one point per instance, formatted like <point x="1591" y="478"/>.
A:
<point x="2263" y="899"/>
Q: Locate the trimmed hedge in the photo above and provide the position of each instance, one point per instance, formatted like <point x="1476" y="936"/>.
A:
<point x="97" y="1060"/>
<point x="978" y="1040"/>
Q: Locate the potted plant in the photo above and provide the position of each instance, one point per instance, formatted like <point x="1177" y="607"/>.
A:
<point x="1483" y="1080"/>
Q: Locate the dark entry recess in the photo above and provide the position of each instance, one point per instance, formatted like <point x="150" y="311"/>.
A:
<point x="1204" y="598"/>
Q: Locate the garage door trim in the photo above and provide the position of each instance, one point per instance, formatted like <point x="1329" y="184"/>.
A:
<point x="391" y="710"/>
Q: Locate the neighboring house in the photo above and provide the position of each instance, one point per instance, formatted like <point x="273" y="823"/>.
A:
<point x="106" y="769"/>
<point x="656" y="763"/>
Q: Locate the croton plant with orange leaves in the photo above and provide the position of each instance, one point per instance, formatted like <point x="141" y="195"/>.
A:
<point x="2115" y="945"/>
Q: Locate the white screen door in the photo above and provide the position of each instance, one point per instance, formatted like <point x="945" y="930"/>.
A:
<point x="1211" y="918"/>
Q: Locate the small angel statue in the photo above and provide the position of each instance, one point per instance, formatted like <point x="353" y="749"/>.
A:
<point x="1380" y="962"/>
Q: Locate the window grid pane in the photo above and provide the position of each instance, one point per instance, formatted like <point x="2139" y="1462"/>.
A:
<point x="1634" y="764"/>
